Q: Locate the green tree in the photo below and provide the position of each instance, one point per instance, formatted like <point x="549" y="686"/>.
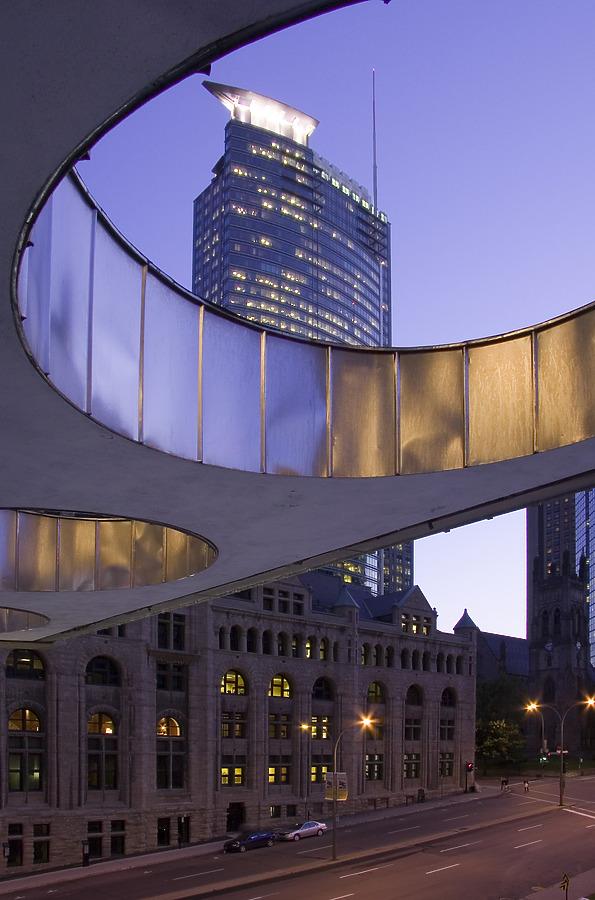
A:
<point x="499" y="740"/>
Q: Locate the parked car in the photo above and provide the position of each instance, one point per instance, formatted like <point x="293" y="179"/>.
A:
<point x="308" y="829"/>
<point x="249" y="840"/>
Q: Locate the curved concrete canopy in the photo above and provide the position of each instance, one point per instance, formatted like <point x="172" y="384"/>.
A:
<point x="523" y="418"/>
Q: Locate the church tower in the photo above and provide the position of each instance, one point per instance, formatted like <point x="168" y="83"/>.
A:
<point x="560" y="673"/>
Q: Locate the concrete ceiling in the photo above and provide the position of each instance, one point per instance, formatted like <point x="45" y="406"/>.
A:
<point x="70" y="71"/>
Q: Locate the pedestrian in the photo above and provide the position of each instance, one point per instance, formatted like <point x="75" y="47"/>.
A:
<point x="502" y="783"/>
<point x="526" y="785"/>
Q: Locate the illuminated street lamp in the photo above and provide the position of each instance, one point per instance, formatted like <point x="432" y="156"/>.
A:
<point x="534" y="707"/>
<point x="365" y="723"/>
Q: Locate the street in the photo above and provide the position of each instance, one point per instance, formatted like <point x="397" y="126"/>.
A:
<point x="495" y="846"/>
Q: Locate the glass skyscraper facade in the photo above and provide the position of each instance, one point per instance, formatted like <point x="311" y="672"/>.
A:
<point x="285" y="239"/>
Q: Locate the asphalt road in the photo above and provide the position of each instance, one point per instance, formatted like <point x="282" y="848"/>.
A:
<point x="493" y="847"/>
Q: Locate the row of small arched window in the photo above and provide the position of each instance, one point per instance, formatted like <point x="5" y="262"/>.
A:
<point x="311" y="648"/>
<point x="234" y="682"/>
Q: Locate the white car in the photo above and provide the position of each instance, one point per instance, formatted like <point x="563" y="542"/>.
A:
<point x="308" y="829"/>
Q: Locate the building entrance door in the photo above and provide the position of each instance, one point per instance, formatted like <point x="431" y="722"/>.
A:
<point x="236" y="816"/>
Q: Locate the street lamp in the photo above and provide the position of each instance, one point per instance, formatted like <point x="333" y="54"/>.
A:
<point x="534" y="707"/>
<point x="365" y="723"/>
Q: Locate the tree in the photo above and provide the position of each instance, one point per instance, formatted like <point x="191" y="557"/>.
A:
<point x="499" y="740"/>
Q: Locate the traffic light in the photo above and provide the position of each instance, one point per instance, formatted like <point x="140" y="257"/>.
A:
<point x="469" y="767"/>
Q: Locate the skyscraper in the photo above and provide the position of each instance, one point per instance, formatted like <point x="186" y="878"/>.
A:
<point x="285" y="239"/>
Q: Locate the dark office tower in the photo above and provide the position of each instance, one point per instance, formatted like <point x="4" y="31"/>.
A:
<point x="285" y="239"/>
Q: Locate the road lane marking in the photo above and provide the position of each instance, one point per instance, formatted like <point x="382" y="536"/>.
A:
<point x="261" y="896"/>
<point x="314" y="849"/>
<point x="365" y="871"/>
<point x="454" y="818"/>
<point x="579" y="813"/>
<point x="443" y="869"/>
<point x="343" y="896"/>
<point x="399" y="830"/>
<point x="458" y="847"/>
<point x="519" y="846"/>
<point x="529" y="827"/>
<point x="196" y="874"/>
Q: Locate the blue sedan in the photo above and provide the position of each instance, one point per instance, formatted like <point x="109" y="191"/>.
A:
<point x="249" y="840"/>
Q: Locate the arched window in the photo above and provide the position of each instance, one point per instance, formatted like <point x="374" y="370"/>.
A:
<point x="296" y="646"/>
<point x="375" y="693"/>
<point x="389" y="657"/>
<point x="310" y="647"/>
<point x="25" y="664"/>
<point x="414" y="696"/>
<point x="449" y="698"/>
<point x="252" y="640"/>
<point x="336" y="651"/>
<point x="322" y="690"/>
<point x="324" y="648"/>
<point x="448" y="703"/>
<point x="171" y="754"/>
<point x="366" y="655"/>
<point x="440" y="663"/>
<point x="235" y="637"/>
<point x="378" y="655"/>
<point x="412" y="724"/>
<point x="279" y="687"/>
<point x="101" y="670"/>
<point x="222" y="638"/>
<point x="233" y="683"/>
<point x="25" y="752"/>
<point x="102" y="753"/>
<point x="282" y="644"/>
<point x="267" y="643"/>
<point x="416" y="660"/>
<point x="545" y="623"/>
<point x="426" y="661"/>
<point x="450" y="664"/>
<point x="459" y="665"/>
<point x="557" y="621"/>
<point x="405" y="658"/>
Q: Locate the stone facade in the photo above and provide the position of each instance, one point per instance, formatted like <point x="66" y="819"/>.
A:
<point x="197" y="722"/>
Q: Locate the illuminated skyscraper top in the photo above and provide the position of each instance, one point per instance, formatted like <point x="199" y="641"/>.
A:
<point x="286" y="239"/>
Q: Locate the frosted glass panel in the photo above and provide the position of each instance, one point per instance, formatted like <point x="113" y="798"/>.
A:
<point x="363" y="413"/>
<point x="73" y="222"/>
<point x="76" y="570"/>
<point x="170" y="371"/>
<point x="432" y="411"/>
<point x="500" y="401"/>
<point x="8" y="540"/>
<point x="35" y="305"/>
<point x="116" y="336"/>
<point x="231" y="394"/>
<point x="37" y="541"/>
<point x="114" y="555"/>
<point x="149" y="552"/>
<point x="295" y="408"/>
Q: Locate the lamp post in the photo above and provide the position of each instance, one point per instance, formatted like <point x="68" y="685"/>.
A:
<point x="534" y="707"/>
<point x="365" y="723"/>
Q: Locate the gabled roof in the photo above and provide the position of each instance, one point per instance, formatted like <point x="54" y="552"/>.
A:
<point x="513" y="652"/>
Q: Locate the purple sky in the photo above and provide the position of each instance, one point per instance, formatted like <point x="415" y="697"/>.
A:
<point x="486" y="134"/>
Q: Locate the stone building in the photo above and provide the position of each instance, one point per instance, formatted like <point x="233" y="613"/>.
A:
<point x="184" y="726"/>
